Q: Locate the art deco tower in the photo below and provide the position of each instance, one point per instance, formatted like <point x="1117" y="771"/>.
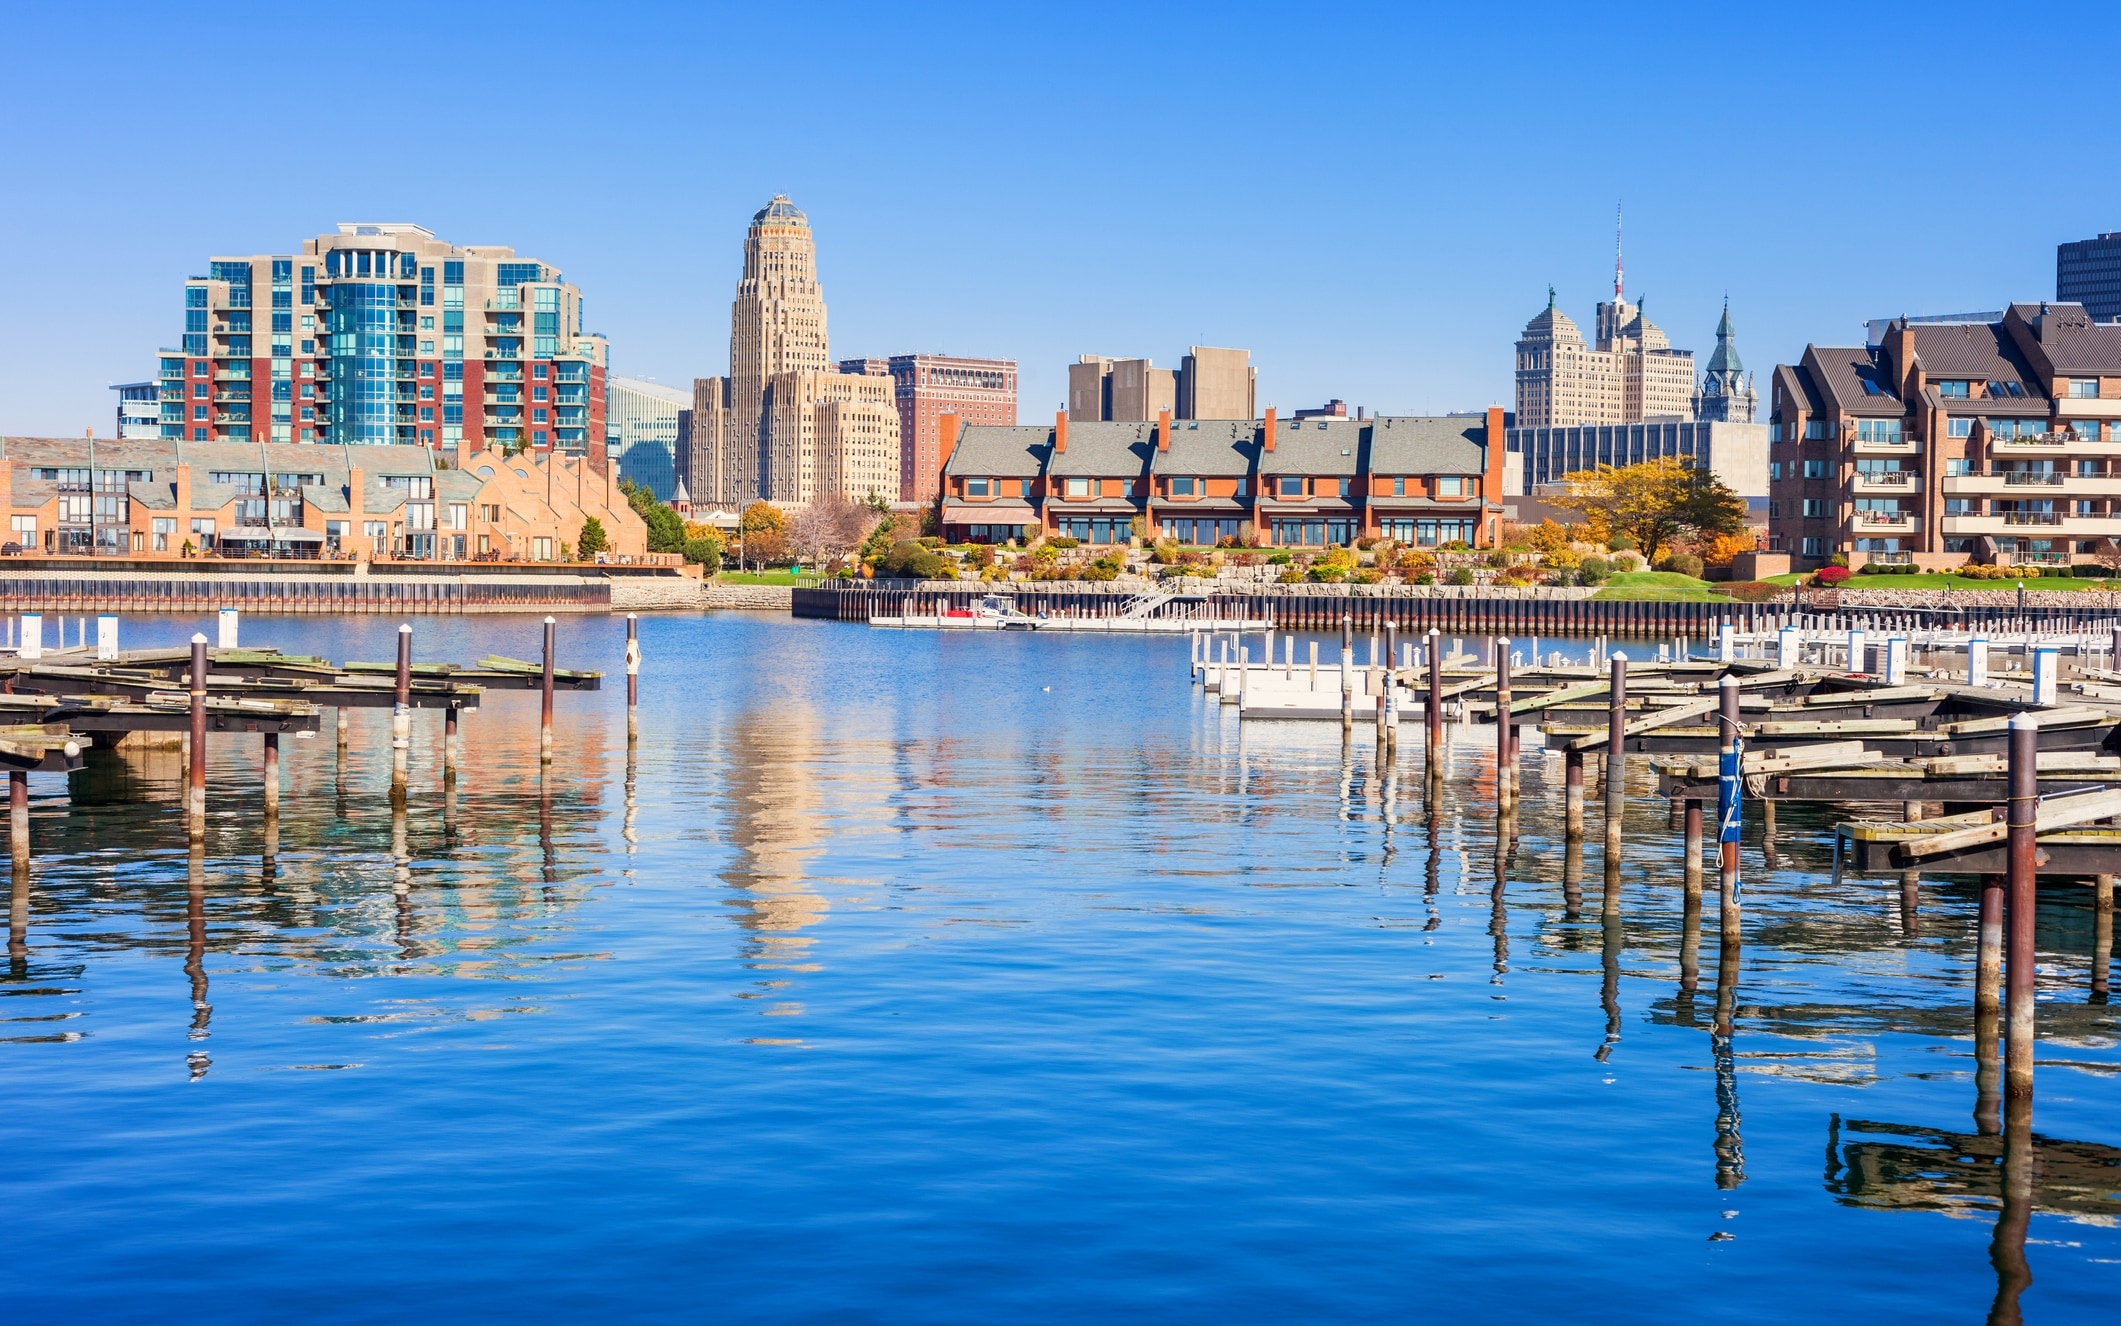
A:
<point x="777" y="325"/>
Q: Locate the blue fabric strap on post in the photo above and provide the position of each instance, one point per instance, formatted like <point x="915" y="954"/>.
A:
<point x="1728" y="791"/>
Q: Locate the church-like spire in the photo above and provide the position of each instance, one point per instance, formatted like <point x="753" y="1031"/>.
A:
<point x="1724" y="360"/>
<point x="1619" y="271"/>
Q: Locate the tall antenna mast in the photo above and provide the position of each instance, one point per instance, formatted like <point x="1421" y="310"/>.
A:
<point x="1618" y="270"/>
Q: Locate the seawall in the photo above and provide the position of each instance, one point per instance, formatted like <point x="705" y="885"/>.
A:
<point x="68" y="584"/>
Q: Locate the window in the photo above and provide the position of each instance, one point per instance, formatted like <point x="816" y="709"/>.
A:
<point x="1774" y="509"/>
<point x="1815" y="469"/>
<point x="1958" y="427"/>
<point x="1023" y="487"/>
<point x="1815" y="547"/>
<point x="1399" y="486"/>
<point x="1774" y="471"/>
<point x="1817" y="430"/>
<point x="427" y="414"/>
<point x="539" y="393"/>
<point x="1290" y="485"/>
<point x="1958" y="506"/>
<point x="2088" y="429"/>
<point x="1814" y="507"/>
<point x="975" y="488"/>
<point x="2084" y="389"/>
<point x="1958" y="389"/>
<point x="1181" y="486"/>
<point x="1347" y="487"/>
<point x="1451" y="487"/>
<point x="1878" y="430"/>
<point x="1955" y="468"/>
<point x="1078" y="487"/>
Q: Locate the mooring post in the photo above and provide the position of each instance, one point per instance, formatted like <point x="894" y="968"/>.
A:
<point x="1433" y="710"/>
<point x="1616" y="761"/>
<point x="1505" y="769"/>
<point x="1314" y="667"/>
<point x="401" y="715"/>
<point x="18" y="814"/>
<point x="196" y="792"/>
<point x="1391" y="692"/>
<point x="545" y="708"/>
<point x="449" y="744"/>
<point x="2018" y="957"/>
<point x="1730" y="788"/>
<point x="1347" y="674"/>
<point x="1691" y="877"/>
<point x="633" y="679"/>
<point x="272" y="773"/>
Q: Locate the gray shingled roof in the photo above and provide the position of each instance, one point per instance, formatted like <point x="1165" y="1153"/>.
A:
<point x="1315" y="446"/>
<point x="1981" y="351"/>
<point x="1112" y="450"/>
<point x="1221" y="447"/>
<point x="2070" y="340"/>
<point x="1428" y="444"/>
<point x="1838" y="373"/>
<point x="1000" y="452"/>
<point x="1797" y="386"/>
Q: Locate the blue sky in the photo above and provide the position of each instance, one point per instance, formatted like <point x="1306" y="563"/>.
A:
<point x="1372" y="200"/>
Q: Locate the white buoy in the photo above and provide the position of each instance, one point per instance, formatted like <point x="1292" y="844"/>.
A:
<point x="1896" y="661"/>
<point x="2044" y="667"/>
<point x="227" y="638"/>
<point x="1977" y="661"/>
<point x="1856" y="659"/>
<point x="106" y="637"/>
<point x="32" y="635"/>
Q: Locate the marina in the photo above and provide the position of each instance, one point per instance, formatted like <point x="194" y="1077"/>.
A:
<point x="983" y="939"/>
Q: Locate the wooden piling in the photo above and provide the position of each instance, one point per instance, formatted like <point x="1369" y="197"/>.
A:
<point x="272" y="773"/>
<point x="401" y="715"/>
<point x="545" y="704"/>
<point x="195" y="795"/>
<point x="1691" y="876"/>
<point x="1433" y="702"/>
<point x="1347" y="674"/>
<point x="1572" y="765"/>
<point x="633" y="679"/>
<point x="1616" y="764"/>
<point x="18" y="815"/>
<point x="1390" y="701"/>
<point x="2020" y="909"/>
<point x="449" y="745"/>
<point x="1728" y="917"/>
<point x="1505" y="771"/>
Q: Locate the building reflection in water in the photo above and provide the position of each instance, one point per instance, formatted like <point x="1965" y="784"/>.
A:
<point x="774" y="826"/>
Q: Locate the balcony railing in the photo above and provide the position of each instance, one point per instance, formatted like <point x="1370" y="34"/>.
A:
<point x="1884" y="519"/>
<point x="1890" y="558"/>
<point x="2031" y="517"/>
<point x="2034" y="478"/>
<point x="1886" y="478"/>
<point x="2042" y="440"/>
<point x="2038" y="558"/>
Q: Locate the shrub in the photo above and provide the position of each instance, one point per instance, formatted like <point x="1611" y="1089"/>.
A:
<point x="1594" y="569"/>
<point x="1366" y="542"/>
<point x="1063" y="542"/>
<point x="1838" y="559"/>
<point x="2088" y="571"/>
<point x="1830" y="575"/>
<point x="1327" y="575"/>
<point x="1425" y="578"/>
<point x="1462" y="576"/>
<point x="1362" y="576"/>
<point x="1756" y="591"/>
<point x="1279" y="557"/>
<point x="705" y="552"/>
<point x="1620" y="543"/>
<point x="1291" y="576"/>
<point x="1104" y="568"/>
<point x="909" y="560"/>
<point x="1685" y="564"/>
<point x="1498" y="559"/>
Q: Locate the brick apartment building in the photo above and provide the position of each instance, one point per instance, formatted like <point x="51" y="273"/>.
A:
<point x="1994" y="442"/>
<point x="1423" y="481"/>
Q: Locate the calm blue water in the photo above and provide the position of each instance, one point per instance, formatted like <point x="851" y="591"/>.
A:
<point x="940" y="978"/>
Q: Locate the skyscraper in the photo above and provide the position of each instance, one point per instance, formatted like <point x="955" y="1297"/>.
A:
<point x="1726" y="395"/>
<point x="2088" y="272"/>
<point x="641" y="431"/>
<point x="1216" y="384"/>
<point x="382" y="333"/>
<point x="783" y="426"/>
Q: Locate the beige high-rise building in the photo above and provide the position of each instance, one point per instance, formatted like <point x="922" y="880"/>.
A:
<point x="1217" y="384"/>
<point x="1631" y="375"/>
<point x="1210" y="383"/>
<point x="763" y="432"/>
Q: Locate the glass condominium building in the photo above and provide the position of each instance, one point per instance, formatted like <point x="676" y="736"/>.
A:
<point x="383" y="334"/>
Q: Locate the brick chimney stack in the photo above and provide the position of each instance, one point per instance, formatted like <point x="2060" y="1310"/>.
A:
<point x="1269" y="431"/>
<point x="1060" y="432"/>
<point x="1163" y="430"/>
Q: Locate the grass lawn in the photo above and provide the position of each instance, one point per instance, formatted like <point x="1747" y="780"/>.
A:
<point x="782" y="577"/>
<point x="1663" y="586"/>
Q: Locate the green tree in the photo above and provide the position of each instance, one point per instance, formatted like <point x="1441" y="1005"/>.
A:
<point x="706" y="550"/>
<point x="592" y="539"/>
<point x="666" y="528"/>
<point x="909" y="560"/>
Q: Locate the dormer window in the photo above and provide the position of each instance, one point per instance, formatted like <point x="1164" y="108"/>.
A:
<point x="2006" y="388"/>
<point x="1958" y="389"/>
<point x="1078" y="487"/>
<point x="1181" y="486"/>
<point x="1290" y="485"/>
<point x="1451" y="487"/>
<point x="976" y="487"/>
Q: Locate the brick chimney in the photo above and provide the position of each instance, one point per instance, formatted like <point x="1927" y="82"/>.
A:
<point x="945" y="443"/>
<point x="1491" y="471"/>
<point x="1163" y="430"/>
<point x="1060" y="432"/>
<point x="1268" y="445"/>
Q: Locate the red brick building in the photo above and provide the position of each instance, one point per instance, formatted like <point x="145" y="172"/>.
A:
<point x="927" y="387"/>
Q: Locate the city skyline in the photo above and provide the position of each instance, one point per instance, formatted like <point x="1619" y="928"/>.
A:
<point x="1410" y="307"/>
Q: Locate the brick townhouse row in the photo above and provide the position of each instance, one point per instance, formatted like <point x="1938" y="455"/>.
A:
<point x="1421" y="480"/>
<point x="171" y="498"/>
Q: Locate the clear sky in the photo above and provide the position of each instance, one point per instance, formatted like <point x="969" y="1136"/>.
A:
<point x="1372" y="200"/>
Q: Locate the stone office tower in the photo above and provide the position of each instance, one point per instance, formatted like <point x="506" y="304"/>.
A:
<point x="784" y="426"/>
<point x="1727" y="395"/>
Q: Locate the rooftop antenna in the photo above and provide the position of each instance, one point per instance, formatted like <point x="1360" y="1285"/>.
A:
<point x="1618" y="270"/>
